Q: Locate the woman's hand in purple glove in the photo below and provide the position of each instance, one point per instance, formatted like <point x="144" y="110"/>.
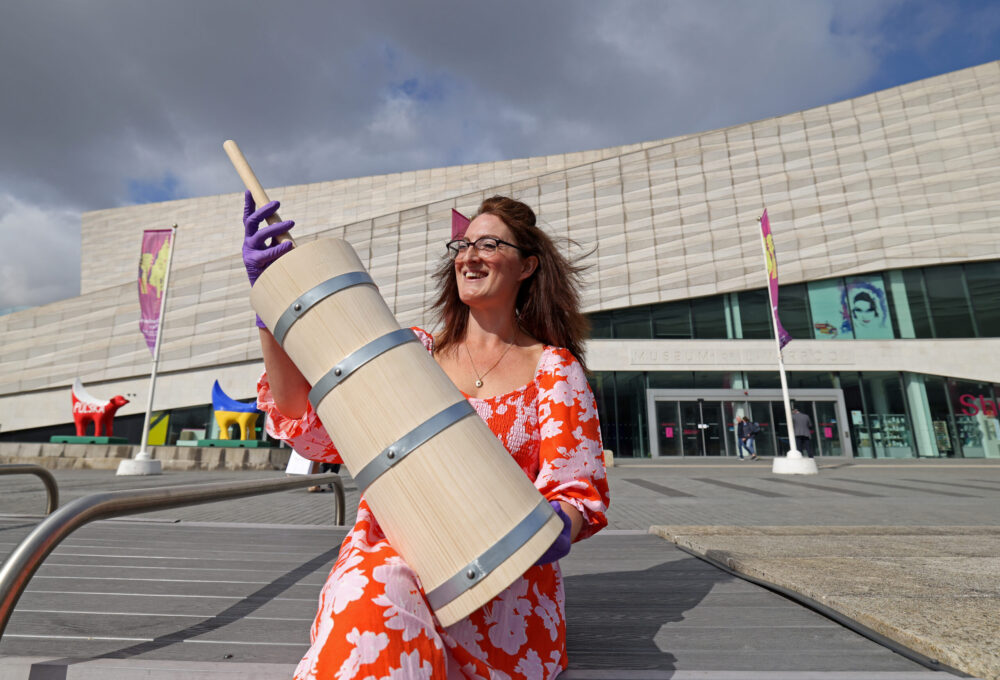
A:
<point x="257" y="255"/>
<point x="560" y="548"/>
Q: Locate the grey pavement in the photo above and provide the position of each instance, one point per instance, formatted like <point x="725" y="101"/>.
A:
<point x="209" y="590"/>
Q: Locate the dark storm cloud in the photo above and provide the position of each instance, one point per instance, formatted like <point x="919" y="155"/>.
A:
<point x="108" y="103"/>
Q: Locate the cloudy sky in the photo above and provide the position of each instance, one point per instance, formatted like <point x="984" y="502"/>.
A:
<point x="112" y="103"/>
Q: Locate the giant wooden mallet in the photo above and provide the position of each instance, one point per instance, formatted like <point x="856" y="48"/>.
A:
<point x="450" y="498"/>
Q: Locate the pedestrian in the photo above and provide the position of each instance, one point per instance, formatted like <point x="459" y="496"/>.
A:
<point x="323" y="467"/>
<point x="511" y="338"/>
<point x="802" y="425"/>
<point x="747" y="433"/>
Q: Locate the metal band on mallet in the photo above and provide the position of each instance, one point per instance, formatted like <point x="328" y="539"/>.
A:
<point x="314" y="295"/>
<point x="356" y="359"/>
<point x="402" y="447"/>
<point x="497" y="554"/>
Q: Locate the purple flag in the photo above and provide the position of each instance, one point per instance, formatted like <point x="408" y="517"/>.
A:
<point x="772" y="278"/>
<point x="152" y="273"/>
<point x="459" y="223"/>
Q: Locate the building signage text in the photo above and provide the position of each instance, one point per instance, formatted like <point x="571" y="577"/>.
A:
<point x="970" y="408"/>
<point x="738" y="357"/>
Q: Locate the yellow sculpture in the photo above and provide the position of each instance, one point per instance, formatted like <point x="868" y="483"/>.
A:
<point x="228" y="412"/>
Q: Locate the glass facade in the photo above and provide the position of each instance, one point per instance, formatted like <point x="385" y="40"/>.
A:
<point x="888" y="414"/>
<point x="949" y="301"/>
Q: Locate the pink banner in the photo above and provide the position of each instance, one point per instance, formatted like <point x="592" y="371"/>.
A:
<point x="459" y="223"/>
<point x="772" y="277"/>
<point x="152" y="273"/>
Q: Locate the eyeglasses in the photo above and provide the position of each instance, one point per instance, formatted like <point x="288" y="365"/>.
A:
<point x="486" y="246"/>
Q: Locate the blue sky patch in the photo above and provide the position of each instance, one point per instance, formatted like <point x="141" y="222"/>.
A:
<point x="147" y="191"/>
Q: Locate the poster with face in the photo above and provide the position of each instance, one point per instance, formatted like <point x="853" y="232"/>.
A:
<point x="845" y="309"/>
<point x="866" y="309"/>
<point x="827" y="310"/>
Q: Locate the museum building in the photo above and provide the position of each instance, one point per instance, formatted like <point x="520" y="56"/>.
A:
<point x="885" y="211"/>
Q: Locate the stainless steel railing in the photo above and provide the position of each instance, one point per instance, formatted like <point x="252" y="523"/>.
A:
<point x="51" y="487"/>
<point x="28" y="556"/>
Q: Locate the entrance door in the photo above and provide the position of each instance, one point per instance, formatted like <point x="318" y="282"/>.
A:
<point x="702" y="428"/>
<point x="668" y="428"/>
<point x="690" y="422"/>
<point x="808" y="408"/>
<point x="713" y="428"/>
<point x="758" y="412"/>
<point x="780" y="427"/>
<point x="828" y="429"/>
<point x="691" y="430"/>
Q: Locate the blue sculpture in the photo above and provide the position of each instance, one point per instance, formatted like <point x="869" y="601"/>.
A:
<point x="228" y="412"/>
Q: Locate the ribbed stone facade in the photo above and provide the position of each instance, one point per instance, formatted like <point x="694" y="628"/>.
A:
<point x="904" y="177"/>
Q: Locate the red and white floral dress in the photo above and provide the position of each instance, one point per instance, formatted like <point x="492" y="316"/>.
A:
<point x="374" y="622"/>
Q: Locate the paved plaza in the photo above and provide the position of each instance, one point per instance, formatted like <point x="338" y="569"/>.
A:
<point x="744" y="574"/>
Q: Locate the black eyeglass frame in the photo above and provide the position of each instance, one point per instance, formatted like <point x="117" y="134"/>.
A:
<point x="454" y="251"/>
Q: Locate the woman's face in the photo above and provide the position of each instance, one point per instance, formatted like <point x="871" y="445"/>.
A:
<point x="491" y="279"/>
<point x="863" y="311"/>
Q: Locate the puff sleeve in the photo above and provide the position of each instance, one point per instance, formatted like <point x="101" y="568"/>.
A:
<point x="306" y="434"/>
<point x="571" y="458"/>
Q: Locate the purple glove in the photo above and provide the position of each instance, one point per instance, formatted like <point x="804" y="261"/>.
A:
<point x="560" y="548"/>
<point x="257" y="255"/>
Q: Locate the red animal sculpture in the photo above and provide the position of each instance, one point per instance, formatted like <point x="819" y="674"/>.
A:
<point x="88" y="409"/>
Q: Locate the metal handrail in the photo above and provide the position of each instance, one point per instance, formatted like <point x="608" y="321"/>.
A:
<point x="28" y="556"/>
<point x="51" y="488"/>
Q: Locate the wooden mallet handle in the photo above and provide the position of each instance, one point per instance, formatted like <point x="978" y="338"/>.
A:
<point x="251" y="182"/>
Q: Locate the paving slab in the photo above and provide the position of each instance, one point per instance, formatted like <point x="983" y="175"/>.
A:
<point x="143" y="601"/>
<point x="935" y="590"/>
<point x="639" y="607"/>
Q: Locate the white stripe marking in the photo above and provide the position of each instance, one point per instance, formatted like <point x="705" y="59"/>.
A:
<point x="136" y="566"/>
<point x="131" y="639"/>
<point x="165" y="580"/>
<point x="156" y="614"/>
<point x="77" y="637"/>
<point x="204" y="597"/>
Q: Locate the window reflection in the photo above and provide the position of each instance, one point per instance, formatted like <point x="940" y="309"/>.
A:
<point x="950" y="301"/>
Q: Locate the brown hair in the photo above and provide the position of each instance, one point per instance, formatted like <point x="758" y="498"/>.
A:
<point x="548" y="302"/>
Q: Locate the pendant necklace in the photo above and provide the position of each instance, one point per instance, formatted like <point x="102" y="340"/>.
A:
<point x="479" y="378"/>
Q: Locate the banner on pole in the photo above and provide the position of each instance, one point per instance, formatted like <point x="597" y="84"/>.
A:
<point x="459" y="223"/>
<point x="152" y="272"/>
<point x="772" y="278"/>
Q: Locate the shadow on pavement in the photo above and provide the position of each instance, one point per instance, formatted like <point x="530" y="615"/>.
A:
<point x="614" y="617"/>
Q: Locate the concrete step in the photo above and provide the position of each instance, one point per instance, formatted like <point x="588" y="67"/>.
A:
<point x="65" y="456"/>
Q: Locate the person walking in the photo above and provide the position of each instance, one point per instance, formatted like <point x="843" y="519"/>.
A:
<point x="511" y="339"/>
<point x="747" y="433"/>
<point x="802" y="424"/>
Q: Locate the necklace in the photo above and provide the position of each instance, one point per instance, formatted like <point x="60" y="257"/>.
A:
<point x="479" y="378"/>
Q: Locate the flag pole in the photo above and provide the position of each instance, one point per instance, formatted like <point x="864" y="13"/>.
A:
<point x="793" y="463"/>
<point x="143" y="463"/>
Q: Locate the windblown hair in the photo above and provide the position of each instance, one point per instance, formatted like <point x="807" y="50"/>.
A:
<point x="548" y="302"/>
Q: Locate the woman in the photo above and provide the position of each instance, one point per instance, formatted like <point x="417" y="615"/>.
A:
<point x="512" y="334"/>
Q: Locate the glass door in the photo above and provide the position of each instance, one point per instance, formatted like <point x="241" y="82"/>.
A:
<point x="691" y="439"/>
<point x="780" y="427"/>
<point x="704" y="422"/>
<point x="734" y="411"/>
<point x="702" y="428"/>
<point x="668" y="428"/>
<point x="760" y="413"/>
<point x="828" y="429"/>
<point x="808" y="408"/>
<point x="713" y="428"/>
